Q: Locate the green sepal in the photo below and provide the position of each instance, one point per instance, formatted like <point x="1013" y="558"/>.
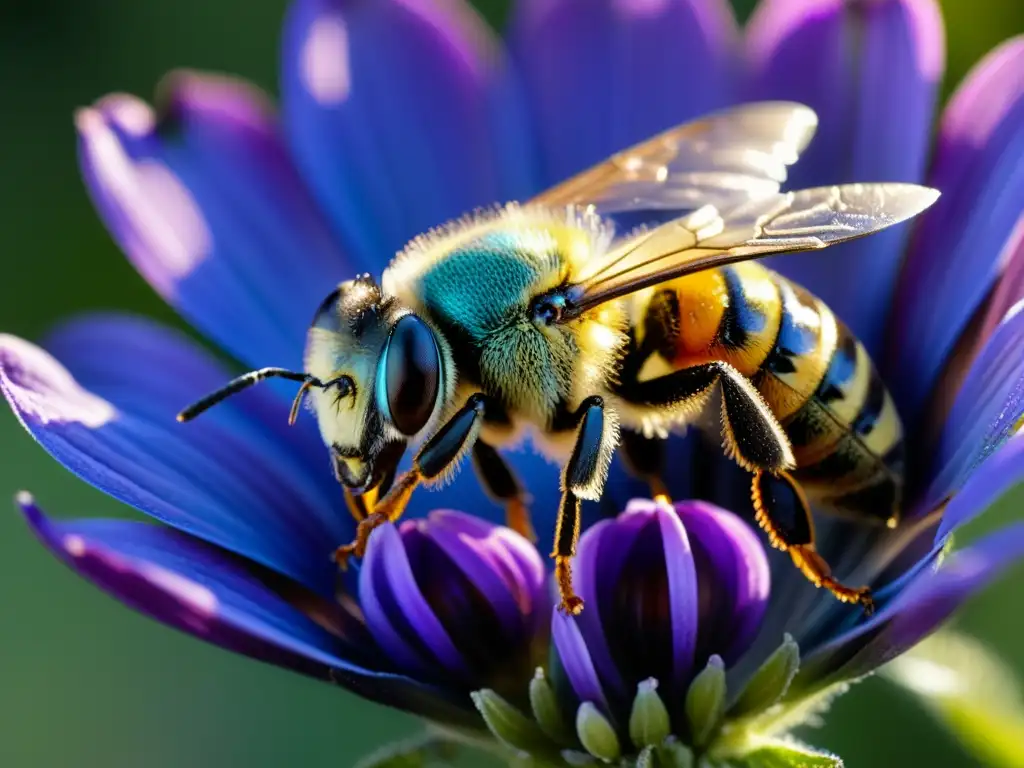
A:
<point x="649" y="721"/>
<point x="426" y="750"/>
<point x="770" y="682"/>
<point x="672" y="754"/>
<point x="546" y="710"/>
<point x="973" y="693"/>
<point x="789" y="754"/>
<point x="596" y="734"/>
<point x="705" y="701"/>
<point x="510" y="726"/>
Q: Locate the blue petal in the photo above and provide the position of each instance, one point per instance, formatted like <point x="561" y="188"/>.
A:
<point x="954" y="259"/>
<point x="987" y="410"/>
<point x="197" y="589"/>
<point x="995" y="477"/>
<point x="236" y="477"/>
<point x="604" y="74"/>
<point x="402" y="115"/>
<point x="925" y="603"/>
<point x="871" y="72"/>
<point x="205" y="202"/>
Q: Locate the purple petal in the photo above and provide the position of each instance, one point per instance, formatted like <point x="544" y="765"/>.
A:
<point x="954" y="259"/>
<point x="575" y="658"/>
<point x="987" y="410"/>
<point x="602" y="550"/>
<point x="374" y="598"/>
<point x="733" y="579"/>
<point x="205" y="202"/>
<point x="923" y="605"/>
<point x="234" y="477"/>
<point x="871" y="71"/>
<point x="195" y="588"/>
<point x="604" y="74"/>
<point x="401" y="115"/>
<point x="503" y="566"/>
<point x="996" y="476"/>
<point x="391" y="584"/>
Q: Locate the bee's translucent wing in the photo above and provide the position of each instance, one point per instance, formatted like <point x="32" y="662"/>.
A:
<point x="722" y="159"/>
<point x="779" y="223"/>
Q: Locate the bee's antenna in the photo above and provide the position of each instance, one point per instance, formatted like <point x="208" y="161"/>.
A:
<point x="244" y="382"/>
<point x="293" y="414"/>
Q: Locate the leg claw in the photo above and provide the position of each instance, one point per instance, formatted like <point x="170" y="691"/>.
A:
<point x="571" y="605"/>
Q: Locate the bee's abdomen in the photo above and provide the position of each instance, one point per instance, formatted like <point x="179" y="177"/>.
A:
<point x="812" y="372"/>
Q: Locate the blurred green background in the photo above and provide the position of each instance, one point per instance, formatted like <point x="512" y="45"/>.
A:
<point x="84" y="682"/>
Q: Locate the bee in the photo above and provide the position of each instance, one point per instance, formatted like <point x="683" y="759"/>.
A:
<point x="613" y="310"/>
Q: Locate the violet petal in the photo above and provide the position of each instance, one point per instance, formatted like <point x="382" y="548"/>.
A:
<point x="871" y="71"/>
<point x="401" y="115"/>
<point x="205" y="202"/>
<point x="954" y="258"/>
<point x="190" y="586"/>
<point x="233" y="477"/>
<point x="604" y="74"/>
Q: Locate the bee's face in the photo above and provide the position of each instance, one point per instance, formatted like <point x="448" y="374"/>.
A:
<point x="383" y="376"/>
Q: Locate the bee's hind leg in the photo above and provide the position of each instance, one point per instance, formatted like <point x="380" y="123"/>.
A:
<point x="434" y="460"/>
<point x="501" y="485"/>
<point x="644" y="458"/>
<point x="783" y="512"/>
<point x="583" y="478"/>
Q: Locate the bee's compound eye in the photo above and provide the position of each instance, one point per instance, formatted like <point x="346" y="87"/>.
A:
<point x="409" y="376"/>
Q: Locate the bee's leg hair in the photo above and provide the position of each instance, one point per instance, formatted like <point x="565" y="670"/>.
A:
<point x="644" y="458"/>
<point x="438" y="456"/>
<point x="582" y="478"/>
<point x="501" y="485"/>
<point x="782" y="511"/>
<point x="756" y="441"/>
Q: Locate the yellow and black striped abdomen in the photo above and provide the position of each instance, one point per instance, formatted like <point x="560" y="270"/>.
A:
<point x="814" y="375"/>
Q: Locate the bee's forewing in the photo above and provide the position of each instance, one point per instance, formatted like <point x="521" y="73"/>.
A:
<point x="723" y="159"/>
<point x="808" y="219"/>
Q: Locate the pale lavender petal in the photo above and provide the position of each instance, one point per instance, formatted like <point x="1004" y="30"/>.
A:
<point x="204" y="200"/>
<point x="954" y="258"/>
<point x="682" y="593"/>
<point x="574" y="655"/>
<point x="604" y="74"/>
<point x="871" y="71"/>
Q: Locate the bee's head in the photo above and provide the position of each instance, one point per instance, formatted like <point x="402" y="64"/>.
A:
<point x="381" y="378"/>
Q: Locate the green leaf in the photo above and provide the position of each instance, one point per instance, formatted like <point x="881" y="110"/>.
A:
<point x="789" y="754"/>
<point x="970" y="691"/>
<point x="421" y="752"/>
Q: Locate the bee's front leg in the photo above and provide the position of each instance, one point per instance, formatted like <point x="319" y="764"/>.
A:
<point x="583" y="478"/>
<point x="434" y="460"/>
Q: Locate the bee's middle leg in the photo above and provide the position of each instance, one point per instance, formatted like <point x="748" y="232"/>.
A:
<point x="644" y="458"/>
<point x="583" y="478"/>
<point x="433" y="461"/>
<point x="501" y="485"/>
